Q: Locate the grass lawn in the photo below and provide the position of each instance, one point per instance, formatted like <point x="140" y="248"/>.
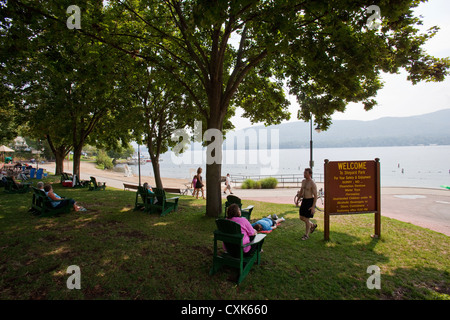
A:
<point x="126" y="254"/>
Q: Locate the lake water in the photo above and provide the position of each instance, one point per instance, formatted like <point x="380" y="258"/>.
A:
<point x="417" y="166"/>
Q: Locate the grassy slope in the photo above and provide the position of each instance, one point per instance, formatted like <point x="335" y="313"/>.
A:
<point x="126" y="254"/>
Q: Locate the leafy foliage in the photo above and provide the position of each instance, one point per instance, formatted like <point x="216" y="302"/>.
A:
<point x="246" y="53"/>
<point x="251" y="184"/>
<point x="266" y="183"/>
<point x="269" y="183"/>
<point x="103" y="160"/>
<point x="66" y="86"/>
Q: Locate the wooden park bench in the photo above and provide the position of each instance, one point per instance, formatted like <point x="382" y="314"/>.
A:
<point x="41" y="205"/>
<point x="229" y="232"/>
<point x="173" y="190"/>
<point x="135" y="187"/>
<point x="130" y="186"/>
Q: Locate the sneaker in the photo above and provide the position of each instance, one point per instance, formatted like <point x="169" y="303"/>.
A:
<point x="274" y="217"/>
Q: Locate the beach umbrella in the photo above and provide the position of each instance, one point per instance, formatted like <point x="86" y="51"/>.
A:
<point x="5" y="149"/>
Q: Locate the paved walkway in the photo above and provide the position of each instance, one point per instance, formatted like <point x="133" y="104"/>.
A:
<point x="428" y="208"/>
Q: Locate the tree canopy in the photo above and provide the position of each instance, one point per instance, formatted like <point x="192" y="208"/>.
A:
<point x="244" y="52"/>
<point x="249" y="53"/>
<point x="159" y="108"/>
<point x="68" y="88"/>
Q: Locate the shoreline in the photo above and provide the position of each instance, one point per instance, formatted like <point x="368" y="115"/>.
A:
<point x="89" y="169"/>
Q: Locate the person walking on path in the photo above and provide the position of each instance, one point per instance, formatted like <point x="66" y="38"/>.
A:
<point x="199" y="183"/>
<point x="227" y="184"/>
<point x="308" y="196"/>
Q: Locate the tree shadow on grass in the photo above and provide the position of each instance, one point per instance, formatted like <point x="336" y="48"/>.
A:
<point x="126" y="254"/>
<point x="415" y="283"/>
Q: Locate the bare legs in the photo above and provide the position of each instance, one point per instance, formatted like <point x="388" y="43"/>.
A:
<point x="198" y="192"/>
<point x="309" y="226"/>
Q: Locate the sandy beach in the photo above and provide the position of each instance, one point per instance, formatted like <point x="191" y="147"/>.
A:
<point x="425" y="207"/>
<point x="113" y="178"/>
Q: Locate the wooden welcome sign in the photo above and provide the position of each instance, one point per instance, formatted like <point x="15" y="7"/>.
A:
<point x="352" y="187"/>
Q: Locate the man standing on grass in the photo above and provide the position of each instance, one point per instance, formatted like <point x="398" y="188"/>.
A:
<point x="308" y="196"/>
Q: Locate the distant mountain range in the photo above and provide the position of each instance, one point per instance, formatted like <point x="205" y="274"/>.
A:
<point x="428" y="129"/>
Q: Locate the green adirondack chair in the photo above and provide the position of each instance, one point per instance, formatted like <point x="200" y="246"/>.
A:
<point x="13" y="187"/>
<point x="66" y="177"/>
<point x="85" y="183"/>
<point x="246" y="212"/>
<point x="229" y="232"/>
<point x="143" y="199"/>
<point x="94" y="185"/>
<point x="41" y="205"/>
<point x="162" y="203"/>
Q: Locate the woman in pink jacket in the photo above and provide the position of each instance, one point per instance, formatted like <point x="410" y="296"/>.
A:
<point x="234" y="214"/>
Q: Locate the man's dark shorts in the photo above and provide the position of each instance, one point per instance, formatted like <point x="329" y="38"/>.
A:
<point x="305" y="206"/>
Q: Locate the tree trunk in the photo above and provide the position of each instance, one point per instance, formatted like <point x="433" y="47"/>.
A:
<point x="213" y="190"/>
<point x="59" y="153"/>
<point x="213" y="176"/>
<point x="156" y="171"/>
<point x="77" y="159"/>
<point x="59" y="162"/>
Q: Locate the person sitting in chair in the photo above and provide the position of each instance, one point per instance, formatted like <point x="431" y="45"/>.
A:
<point x="148" y="188"/>
<point x="150" y="191"/>
<point x="59" y="202"/>
<point x="234" y="214"/>
<point x="17" y="185"/>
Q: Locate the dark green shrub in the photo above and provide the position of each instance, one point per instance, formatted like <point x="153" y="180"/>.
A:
<point x="269" y="183"/>
<point x="103" y="161"/>
<point x="251" y="184"/>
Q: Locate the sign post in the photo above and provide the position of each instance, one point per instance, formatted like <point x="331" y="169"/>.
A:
<point x="352" y="187"/>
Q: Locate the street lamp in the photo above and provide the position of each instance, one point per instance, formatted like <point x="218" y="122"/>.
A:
<point x="318" y="129"/>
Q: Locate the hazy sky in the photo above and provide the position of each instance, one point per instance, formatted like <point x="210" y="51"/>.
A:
<point x="399" y="97"/>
